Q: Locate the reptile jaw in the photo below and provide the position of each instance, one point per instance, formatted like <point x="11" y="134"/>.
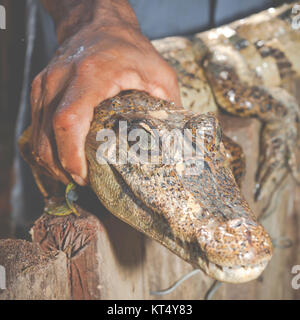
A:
<point x="244" y="272"/>
<point x="239" y="274"/>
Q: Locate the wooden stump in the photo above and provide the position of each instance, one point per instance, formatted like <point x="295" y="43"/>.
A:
<point x="77" y="238"/>
<point x="32" y="273"/>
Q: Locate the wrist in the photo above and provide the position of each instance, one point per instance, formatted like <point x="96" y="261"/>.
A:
<point x="70" y="16"/>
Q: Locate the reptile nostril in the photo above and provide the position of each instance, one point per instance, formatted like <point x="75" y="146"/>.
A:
<point x="235" y="223"/>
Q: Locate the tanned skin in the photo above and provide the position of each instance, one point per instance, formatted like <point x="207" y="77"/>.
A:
<point x="102" y="52"/>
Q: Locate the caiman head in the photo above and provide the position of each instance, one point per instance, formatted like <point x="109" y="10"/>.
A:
<point x="165" y="171"/>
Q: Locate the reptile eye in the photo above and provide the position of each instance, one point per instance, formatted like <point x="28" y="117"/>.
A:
<point x="144" y="139"/>
<point x="144" y="133"/>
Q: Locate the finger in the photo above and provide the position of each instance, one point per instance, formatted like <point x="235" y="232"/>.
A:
<point x="71" y="123"/>
<point x="36" y="98"/>
<point x="36" y="114"/>
<point x="131" y="79"/>
<point x="51" y="85"/>
<point x="164" y="93"/>
<point x="164" y="84"/>
<point x="36" y="88"/>
<point x="46" y="148"/>
<point x="56" y="81"/>
<point x="74" y="115"/>
<point x="46" y="85"/>
<point x="170" y="84"/>
<point x="46" y="156"/>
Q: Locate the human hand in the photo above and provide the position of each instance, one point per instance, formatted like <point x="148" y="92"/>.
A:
<point x="95" y="63"/>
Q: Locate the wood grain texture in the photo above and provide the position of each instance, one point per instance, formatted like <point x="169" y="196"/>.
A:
<point x="77" y="238"/>
<point x="31" y="273"/>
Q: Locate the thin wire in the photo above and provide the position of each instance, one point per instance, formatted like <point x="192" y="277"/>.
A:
<point x="176" y="284"/>
<point x="271" y="207"/>
<point x="282" y="242"/>
<point x="212" y="290"/>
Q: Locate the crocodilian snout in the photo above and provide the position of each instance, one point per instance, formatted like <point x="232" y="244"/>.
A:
<point x="237" y="250"/>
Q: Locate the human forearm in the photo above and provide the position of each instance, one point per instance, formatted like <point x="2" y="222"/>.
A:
<point x="71" y="15"/>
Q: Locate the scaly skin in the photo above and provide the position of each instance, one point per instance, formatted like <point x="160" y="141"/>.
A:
<point x="252" y="62"/>
<point x="249" y="66"/>
<point x="203" y="218"/>
<point x="274" y="107"/>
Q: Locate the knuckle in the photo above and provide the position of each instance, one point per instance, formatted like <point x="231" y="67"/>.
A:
<point x="130" y="76"/>
<point x="37" y="80"/>
<point x="172" y="75"/>
<point x="39" y="153"/>
<point x="68" y="166"/>
<point x="52" y="75"/>
<point x="133" y="74"/>
<point x="35" y="91"/>
<point x="36" y="86"/>
<point x="64" y="120"/>
<point x="86" y="64"/>
<point x="171" y="81"/>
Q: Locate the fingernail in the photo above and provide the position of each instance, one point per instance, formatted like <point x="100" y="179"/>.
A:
<point x="159" y="93"/>
<point x="79" y="180"/>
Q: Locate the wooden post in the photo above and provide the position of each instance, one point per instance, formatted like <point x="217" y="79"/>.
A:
<point x="32" y="273"/>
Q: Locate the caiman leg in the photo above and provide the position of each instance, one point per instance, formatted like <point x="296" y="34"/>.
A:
<point x="275" y="108"/>
<point x="236" y="159"/>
